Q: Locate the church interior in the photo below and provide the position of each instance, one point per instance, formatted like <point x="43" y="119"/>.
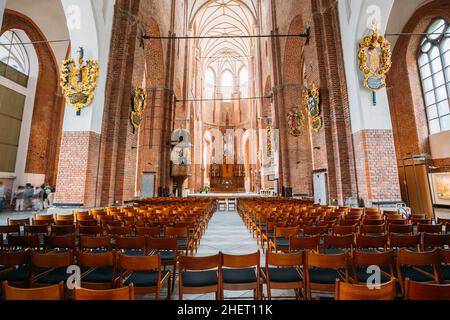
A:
<point x="225" y="149"/>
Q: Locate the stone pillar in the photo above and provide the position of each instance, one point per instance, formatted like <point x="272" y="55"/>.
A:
<point x="375" y="157"/>
<point x="80" y="143"/>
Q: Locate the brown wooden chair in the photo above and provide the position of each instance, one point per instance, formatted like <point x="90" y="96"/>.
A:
<point x="338" y="244"/>
<point x="241" y="272"/>
<point x="426" y="291"/>
<point x="285" y="272"/>
<point x="363" y="260"/>
<point x="145" y="273"/>
<point x="55" y="265"/>
<point x="349" y="291"/>
<point x="87" y="223"/>
<point x="412" y="242"/>
<point x="15" y="267"/>
<point x="313" y="231"/>
<point x="59" y="243"/>
<point x="429" y="228"/>
<point x="119" y="231"/>
<point x="95" y="243"/>
<point x="431" y="241"/>
<point x="19" y="221"/>
<point x="167" y="248"/>
<point x="373" y="229"/>
<point x="281" y="236"/>
<point x="54" y="292"/>
<point x="200" y="275"/>
<point x="62" y="230"/>
<point x="90" y="230"/>
<point x="418" y="266"/>
<point x="340" y="230"/>
<point x="124" y="293"/>
<point x="24" y="242"/>
<point x="322" y="270"/>
<point x="154" y="232"/>
<point x="400" y="229"/>
<point x="98" y="269"/>
<point x="182" y="234"/>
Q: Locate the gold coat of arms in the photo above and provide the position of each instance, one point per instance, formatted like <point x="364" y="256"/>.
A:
<point x="139" y="106"/>
<point x="78" y="82"/>
<point x="311" y="102"/>
<point x="375" y="60"/>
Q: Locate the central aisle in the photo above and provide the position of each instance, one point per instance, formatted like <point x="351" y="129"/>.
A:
<point x="227" y="233"/>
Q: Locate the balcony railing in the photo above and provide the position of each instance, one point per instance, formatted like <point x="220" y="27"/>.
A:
<point x="181" y="170"/>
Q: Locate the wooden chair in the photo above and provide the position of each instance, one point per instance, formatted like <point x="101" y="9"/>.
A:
<point x="314" y="231"/>
<point x="241" y="272"/>
<point x="154" y="232"/>
<point x="340" y="230"/>
<point x="16" y="267"/>
<point x="182" y="234"/>
<point x="281" y="238"/>
<point x="24" y="242"/>
<point x="285" y="272"/>
<point x="426" y="291"/>
<point x="98" y="269"/>
<point x="59" y="243"/>
<point x="412" y="242"/>
<point x="54" y="292"/>
<point x="349" y="291"/>
<point x="87" y="223"/>
<point x="19" y="221"/>
<point x="362" y="260"/>
<point x="302" y="244"/>
<point x="429" y="228"/>
<point x="431" y="241"/>
<point x="95" y="243"/>
<point x="364" y="242"/>
<point x="124" y="293"/>
<point x="418" y="266"/>
<point x="200" y="275"/>
<point x="118" y="231"/>
<point x="167" y="248"/>
<point x="90" y="230"/>
<point x="55" y="265"/>
<point x="322" y="270"/>
<point x="379" y="229"/>
<point x="400" y="229"/>
<point x="131" y="246"/>
<point x="62" y="230"/>
<point x="144" y="273"/>
<point x="445" y="265"/>
<point x="338" y="244"/>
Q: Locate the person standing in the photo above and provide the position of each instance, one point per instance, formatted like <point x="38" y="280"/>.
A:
<point x="51" y="197"/>
<point x="29" y="192"/>
<point x="20" y="198"/>
<point x="2" y="195"/>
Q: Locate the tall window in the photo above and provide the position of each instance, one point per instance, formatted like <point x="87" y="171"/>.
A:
<point x="210" y="83"/>
<point x="227" y="84"/>
<point x="243" y="82"/>
<point x="14" y="60"/>
<point x="434" y="65"/>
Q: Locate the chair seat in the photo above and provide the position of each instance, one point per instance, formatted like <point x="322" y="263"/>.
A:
<point x="362" y="276"/>
<point x="414" y="275"/>
<point x="182" y="243"/>
<point x="445" y="270"/>
<point x="325" y="276"/>
<point x="19" y="274"/>
<point x="333" y="251"/>
<point x="282" y="242"/>
<point x="199" y="278"/>
<point x="144" y="278"/>
<point x="235" y="276"/>
<point x="99" y="275"/>
<point x="54" y="277"/>
<point x="133" y="253"/>
<point x="284" y="275"/>
<point x="167" y="255"/>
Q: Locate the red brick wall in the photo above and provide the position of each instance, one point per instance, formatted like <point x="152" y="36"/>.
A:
<point x="376" y="166"/>
<point x="78" y="168"/>
<point x="48" y="112"/>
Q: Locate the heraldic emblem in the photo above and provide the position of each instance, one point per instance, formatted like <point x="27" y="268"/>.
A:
<point x="78" y="82"/>
<point x="295" y="120"/>
<point x="311" y="102"/>
<point x="375" y="60"/>
<point x="139" y="106"/>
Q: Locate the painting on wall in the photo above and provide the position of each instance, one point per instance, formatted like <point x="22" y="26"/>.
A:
<point x="441" y="186"/>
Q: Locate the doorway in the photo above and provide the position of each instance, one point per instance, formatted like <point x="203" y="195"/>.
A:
<point x="320" y="187"/>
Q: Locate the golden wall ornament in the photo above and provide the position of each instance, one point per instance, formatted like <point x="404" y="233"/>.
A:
<point x="139" y="106"/>
<point x="78" y="82"/>
<point x="295" y="120"/>
<point x="375" y="60"/>
<point x="311" y="103"/>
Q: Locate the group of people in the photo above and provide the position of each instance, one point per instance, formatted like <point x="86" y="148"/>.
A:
<point x="28" y="197"/>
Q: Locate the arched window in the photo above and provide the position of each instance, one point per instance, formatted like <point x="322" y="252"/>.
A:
<point x="243" y="82"/>
<point x="210" y="83"/>
<point x="434" y="65"/>
<point x="227" y="84"/>
<point x="13" y="53"/>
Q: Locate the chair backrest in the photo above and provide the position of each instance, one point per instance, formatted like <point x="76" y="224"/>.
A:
<point x="90" y="230"/>
<point x="373" y="229"/>
<point x="200" y="263"/>
<point x="241" y="261"/>
<point x="10" y="229"/>
<point x="87" y="242"/>
<point x="21" y="221"/>
<point x="400" y="228"/>
<point x="426" y="291"/>
<point x="339" y="242"/>
<point x="59" y="230"/>
<point x="435" y="240"/>
<point x="148" y="231"/>
<point x="286" y="232"/>
<point x="374" y="258"/>
<point x="349" y="291"/>
<point x="125" y="293"/>
<point x="87" y="223"/>
<point x="119" y="231"/>
<point x="55" y="292"/>
<point x="328" y="261"/>
<point x="304" y="243"/>
<point x="136" y="243"/>
<point x="36" y="229"/>
<point x="179" y="232"/>
<point x="140" y="263"/>
<point x="60" y="242"/>
<point x="284" y="259"/>
<point x="375" y="242"/>
<point x="417" y="259"/>
<point x="170" y="244"/>
<point x="405" y="241"/>
<point x="64" y="217"/>
<point x="308" y="230"/>
<point x="344" y="230"/>
<point x="97" y="259"/>
<point x="52" y="259"/>
<point x="23" y="242"/>
<point x="429" y="228"/>
<point x="16" y="258"/>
